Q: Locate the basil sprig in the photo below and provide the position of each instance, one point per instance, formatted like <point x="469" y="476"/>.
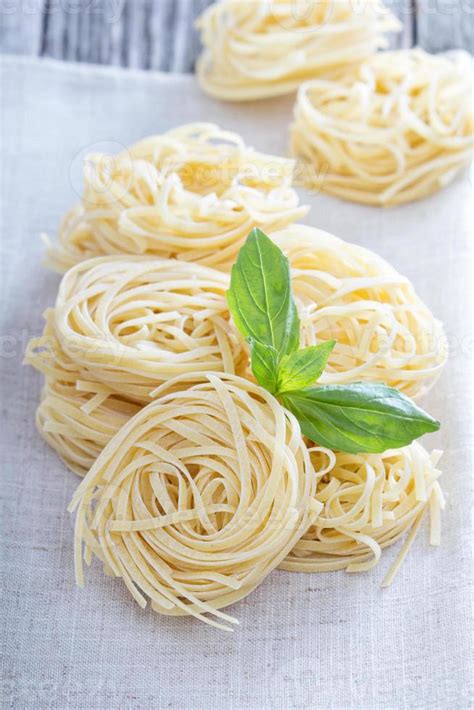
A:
<point x="262" y="306"/>
<point x="357" y="418"/>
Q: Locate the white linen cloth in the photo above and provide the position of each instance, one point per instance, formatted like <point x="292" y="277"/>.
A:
<point x="324" y="641"/>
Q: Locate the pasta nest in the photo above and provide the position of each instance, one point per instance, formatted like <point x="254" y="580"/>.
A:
<point x="383" y="331"/>
<point x="369" y="501"/>
<point x="198" y="497"/>
<point x="105" y="348"/>
<point x="344" y="292"/>
<point x="397" y="129"/>
<point x="193" y="194"/>
<point x="132" y="323"/>
<point x="255" y="49"/>
<point x="78" y="419"/>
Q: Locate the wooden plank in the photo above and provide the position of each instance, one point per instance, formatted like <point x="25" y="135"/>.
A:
<point x="72" y="38"/>
<point x="186" y="45"/>
<point x="445" y="24"/>
<point x="161" y="42"/>
<point x="160" y="34"/>
<point x="21" y="26"/>
<point x="136" y="46"/>
<point x="182" y="59"/>
<point x="85" y="31"/>
<point x="404" y="10"/>
<point x="55" y="23"/>
<point x="112" y="39"/>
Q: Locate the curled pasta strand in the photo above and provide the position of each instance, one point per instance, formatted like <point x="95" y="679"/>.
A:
<point x="193" y="193"/>
<point x="369" y="502"/>
<point x="383" y="331"/>
<point x="124" y="325"/>
<point x="260" y="48"/>
<point x="194" y="537"/>
<point x="396" y="129"/>
<point x="131" y="323"/>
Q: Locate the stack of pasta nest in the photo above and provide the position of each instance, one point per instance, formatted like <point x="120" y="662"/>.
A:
<point x="380" y="128"/>
<point x="196" y="481"/>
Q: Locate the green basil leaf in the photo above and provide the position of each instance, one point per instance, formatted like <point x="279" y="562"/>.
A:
<point x="303" y="367"/>
<point x="358" y="418"/>
<point x="264" y="365"/>
<point x="260" y="297"/>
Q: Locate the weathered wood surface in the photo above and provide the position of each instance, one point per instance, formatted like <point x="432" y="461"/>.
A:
<point x="159" y="34"/>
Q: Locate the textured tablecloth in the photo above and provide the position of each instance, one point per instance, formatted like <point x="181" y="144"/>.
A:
<point x="305" y="641"/>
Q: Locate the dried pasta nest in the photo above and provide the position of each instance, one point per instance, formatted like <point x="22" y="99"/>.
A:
<point x="122" y="326"/>
<point x="197" y="498"/>
<point x="193" y="193"/>
<point x="255" y="48"/>
<point x="78" y="420"/>
<point x="397" y="129"/>
<point x="132" y="323"/>
<point x="369" y="501"/>
<point x="383" y="331"/>
<point x="77" y="417"/>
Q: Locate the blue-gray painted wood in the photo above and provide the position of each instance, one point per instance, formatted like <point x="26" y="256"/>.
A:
<point x="446" y="24"/>
<point x="160" y="34"/>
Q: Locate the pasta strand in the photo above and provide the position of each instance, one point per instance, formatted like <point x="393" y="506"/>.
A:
<point x="396" y="129"/>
